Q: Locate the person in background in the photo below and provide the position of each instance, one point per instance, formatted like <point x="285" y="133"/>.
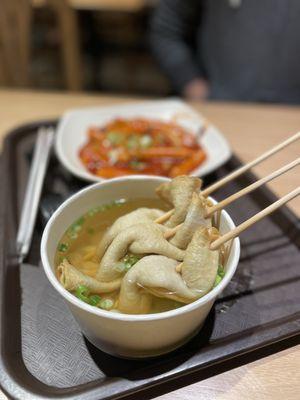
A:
<point x="229" y="49"/>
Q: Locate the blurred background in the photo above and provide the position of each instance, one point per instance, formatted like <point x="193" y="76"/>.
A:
<point x="93" y="45"/>
<point x="240" y="50"/>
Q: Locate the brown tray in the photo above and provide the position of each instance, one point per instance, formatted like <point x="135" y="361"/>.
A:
<point x="43" y="353"/>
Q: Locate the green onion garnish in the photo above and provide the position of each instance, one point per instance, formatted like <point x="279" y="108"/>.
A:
<point x="220" y="275"/>
<point x="133" y="142"/>
<point x="82" y="292"/>
<point x="221" y="271"/>
<point x="94" y="300"/>
<point x="217" y="281"/>
<point x="115" y="137"/>
<point x="75" y="228"/>
<point x="106" y="304"/>
<point x="104" y="207"/>
<point x="146" y="141"/>
<point x="137" y="164"/>
<point x="129" y="260"/>
<point x="63" y="247"/>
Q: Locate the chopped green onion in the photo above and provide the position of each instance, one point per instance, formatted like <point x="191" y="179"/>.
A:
<point x="115" y="137"/>
<point x="217" y="281"/>
<point x="113" y="156"/>
<point x="221" y="271"/>
<point x="146" y="141"/>
<point x="128" y="266"/>
<point x="220" y="275"/>
<point x="133" y="142"/>
<point x="133" y="258"/>
<point x="78" y="222"/>
<point x="104" y="207"/>
<point x="75" y="228"/>
<point x="63" y="247"/>
<point x="119" y="202"/>
<point x="82" y="292"/>
<point x="106" y="304"/>
<point x="96" y="210"/>
<point x="130" y="260"/>
<point x="137" y="164"/>
<point x="93" y="211"/>
<point x="72" y="235"/>
<point x="94" y="300"/>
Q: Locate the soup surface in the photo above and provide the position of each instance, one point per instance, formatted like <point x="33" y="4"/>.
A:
<point x="79" y="243"/>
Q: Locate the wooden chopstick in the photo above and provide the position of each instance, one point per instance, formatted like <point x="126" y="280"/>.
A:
<point x="250" y="188"/>
<point x="249" y="165"/>
<point x="257" y="217"/>
<point x="237" y="173"/>
<point x="211" y="210"/>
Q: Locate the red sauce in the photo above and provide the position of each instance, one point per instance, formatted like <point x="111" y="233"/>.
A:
<point x="141" y="146"/>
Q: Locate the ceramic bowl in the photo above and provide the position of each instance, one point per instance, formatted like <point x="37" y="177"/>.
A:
<point x="72" y="132"/>
<point x="123" y="335"/>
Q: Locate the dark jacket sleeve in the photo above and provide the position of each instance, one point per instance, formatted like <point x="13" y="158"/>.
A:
<point x="172" y="32"/>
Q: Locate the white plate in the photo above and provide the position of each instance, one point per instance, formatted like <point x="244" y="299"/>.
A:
<point x="72" y="132"/>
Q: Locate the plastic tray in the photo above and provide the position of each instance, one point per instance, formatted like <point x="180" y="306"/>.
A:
<point x="43" y="353"/>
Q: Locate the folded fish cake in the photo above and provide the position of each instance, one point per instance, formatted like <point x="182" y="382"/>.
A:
<point x="140" y="215"/>
<point x="200" y="265"/>
<point x="71" y="278"/>
<point x="178" y="193"/>
<point x="145" y="238"/>
<point x="157" y="275"/>
<point x="195" y="218"/>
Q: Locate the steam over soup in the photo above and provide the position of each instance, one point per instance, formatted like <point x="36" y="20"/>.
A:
<point x="126" y="257"/>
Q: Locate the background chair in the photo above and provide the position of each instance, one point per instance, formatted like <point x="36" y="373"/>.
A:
<point x="15" y="22"/>
<point x="15" y="42"/>
<point x="70" y="42"/>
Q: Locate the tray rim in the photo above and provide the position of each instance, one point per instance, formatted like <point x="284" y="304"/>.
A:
<point x="12" y="383"/>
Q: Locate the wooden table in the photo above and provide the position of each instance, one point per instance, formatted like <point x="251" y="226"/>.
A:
<point x="250" y="129"/>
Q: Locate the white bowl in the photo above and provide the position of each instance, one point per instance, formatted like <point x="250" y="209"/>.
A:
<point x="72" y="132"/>
<point x="125" y="335"/>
